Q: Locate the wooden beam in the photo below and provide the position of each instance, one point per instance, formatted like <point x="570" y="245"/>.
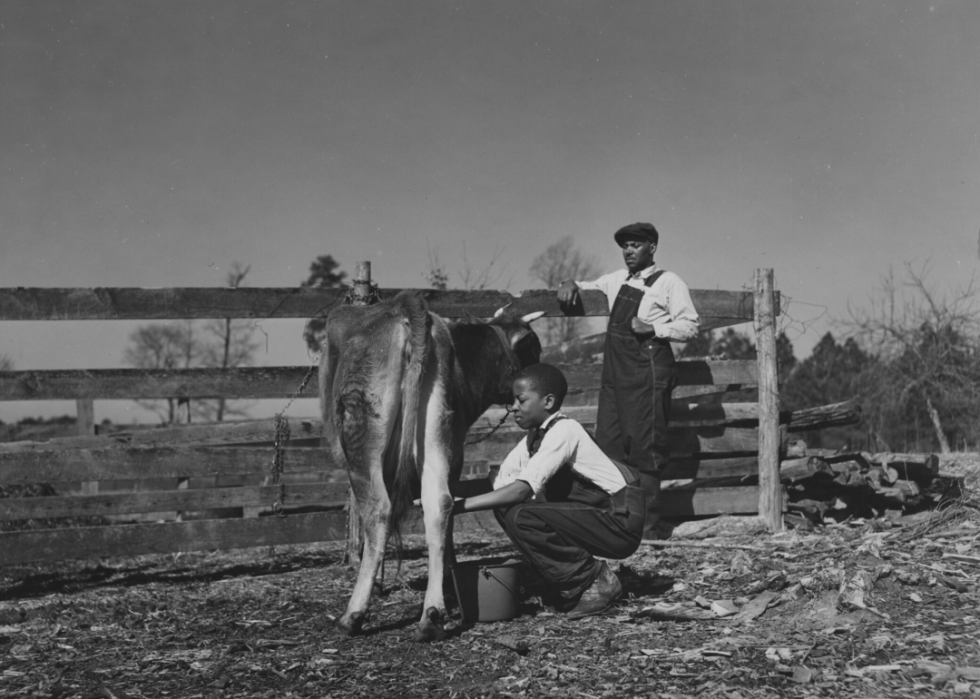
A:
<point x="694" y="502"/>
<point x="58" y="466"/>
<point x="276" y="382"/>
<point x="107" y="505"/>
<point x="21" y="303"/>
<point x="770" y="490"/>
<point x="17" y="548"/>
<point x="690" y="467"/>
<point x="137" y="539"/>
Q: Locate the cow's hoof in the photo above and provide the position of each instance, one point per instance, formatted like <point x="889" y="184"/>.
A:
<point x="430" y="628"/>
<point x="351" y="624"/>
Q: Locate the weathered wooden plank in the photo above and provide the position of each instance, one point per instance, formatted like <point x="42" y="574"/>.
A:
<point x="680" y="412"/>
<point x="46" y="465"/>
<point x="252" y="382"/>
<point x="139" y="463"/>
<point x="23" y="303"/>
<point x="297" y="495"/>
<point x="584" y="377"/>
<point x="136" y="539"/>
<point x="684" y="441"/>
<point x="275" y="382"/>
<point x="50" y="466"/>
<point x="685" y="468"/>
<point x="693" y="502"/>
<point x="200" y="535"/>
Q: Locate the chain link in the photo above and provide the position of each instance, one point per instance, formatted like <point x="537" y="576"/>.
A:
<point x="490" y="434"/>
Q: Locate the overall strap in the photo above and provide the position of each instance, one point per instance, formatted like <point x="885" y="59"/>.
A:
<point x="535" y="437"/>
<point x="654" y="277"/>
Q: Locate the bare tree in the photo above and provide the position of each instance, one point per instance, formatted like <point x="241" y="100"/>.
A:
<point x="927" y="347"/>
<point x="220" y="343"/>
<point x="559" y="262"/>
<point x="472" y="277"/>
<point x="163" y="346"/>
<point x="232" y="346"/>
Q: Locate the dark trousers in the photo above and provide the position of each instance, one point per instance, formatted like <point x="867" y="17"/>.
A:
<point x="631" y="423"/>
<point x="559" y="539"/>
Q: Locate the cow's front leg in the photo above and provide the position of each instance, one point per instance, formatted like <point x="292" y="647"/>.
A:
<point x="373" y="507"/>
<point x="437" y="505"/>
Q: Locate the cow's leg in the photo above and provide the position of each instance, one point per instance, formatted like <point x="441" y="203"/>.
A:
<point x="373" y="507"/>
<point x="437" y="505"/>
<point x="366" y="439"/>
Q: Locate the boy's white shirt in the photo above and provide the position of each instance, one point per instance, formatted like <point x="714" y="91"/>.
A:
<point x="566" y="442"/>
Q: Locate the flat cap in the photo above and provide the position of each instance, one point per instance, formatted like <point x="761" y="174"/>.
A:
<point x="641" y="230"/>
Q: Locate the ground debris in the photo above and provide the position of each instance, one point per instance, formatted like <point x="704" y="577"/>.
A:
<point x="859" y="608"/>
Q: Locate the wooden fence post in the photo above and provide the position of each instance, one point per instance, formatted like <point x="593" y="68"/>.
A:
<point x="183" y="417"/>
<point x="770" y="489"/>
<point x="85" y="427"/>
<point x="361" y="296"/>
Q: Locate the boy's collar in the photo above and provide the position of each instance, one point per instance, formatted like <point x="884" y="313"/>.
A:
<point x="550" y="419"/>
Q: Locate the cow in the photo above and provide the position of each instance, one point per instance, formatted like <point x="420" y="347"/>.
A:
<point x="399" y="388"/>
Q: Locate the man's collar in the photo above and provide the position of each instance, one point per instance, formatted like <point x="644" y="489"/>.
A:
<point x="643" y="273"/>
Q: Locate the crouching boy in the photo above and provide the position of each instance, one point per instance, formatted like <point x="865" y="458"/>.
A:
<point x="562" y="501"/>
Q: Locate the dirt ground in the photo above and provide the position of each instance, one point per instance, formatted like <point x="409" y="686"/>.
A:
<point x="864" y="609"/>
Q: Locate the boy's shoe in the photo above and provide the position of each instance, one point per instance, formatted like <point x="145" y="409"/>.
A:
<point x="600" y="596"/>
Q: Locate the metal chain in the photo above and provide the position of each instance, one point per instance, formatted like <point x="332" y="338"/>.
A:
<point x="281" y="436"/>
<point x="490" y="434"/>
<point x="282" y="432"/>
<point x="373" y="297"/>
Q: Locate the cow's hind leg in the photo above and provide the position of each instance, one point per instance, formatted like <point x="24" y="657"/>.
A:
<point x="437" y="505"/>
<point x="373" y="508"/>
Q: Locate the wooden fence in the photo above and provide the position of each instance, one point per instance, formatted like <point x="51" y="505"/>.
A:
<point x="727" y="440"/>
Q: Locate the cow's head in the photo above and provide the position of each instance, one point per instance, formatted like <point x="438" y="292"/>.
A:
<point x="525" y="347"/>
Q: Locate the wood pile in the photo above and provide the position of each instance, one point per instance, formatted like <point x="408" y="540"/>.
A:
<point x="824" y="485"/>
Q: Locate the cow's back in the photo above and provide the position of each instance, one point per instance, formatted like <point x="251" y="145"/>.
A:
<point x="365" y="356"/>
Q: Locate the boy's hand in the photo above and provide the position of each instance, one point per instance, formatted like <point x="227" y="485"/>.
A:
<point x="568" y="294"/>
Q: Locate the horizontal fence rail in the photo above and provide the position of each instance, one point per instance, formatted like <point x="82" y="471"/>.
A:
<point x="701" y="448"/>
<point x="717" y="308"/>
<point x="281" y="382"/>
<point x="203" y="470"/>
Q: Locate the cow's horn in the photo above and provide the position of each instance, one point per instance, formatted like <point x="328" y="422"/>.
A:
<point x="500" y="311"/>
<point x="531" y="317"/>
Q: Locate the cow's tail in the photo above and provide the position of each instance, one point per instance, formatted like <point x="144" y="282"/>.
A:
<point x="416" y="359"/>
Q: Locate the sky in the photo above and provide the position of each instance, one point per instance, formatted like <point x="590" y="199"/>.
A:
<point x="155" y="144"/>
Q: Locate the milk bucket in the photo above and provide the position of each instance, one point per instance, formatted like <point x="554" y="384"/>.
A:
<point x="487" y="588"/>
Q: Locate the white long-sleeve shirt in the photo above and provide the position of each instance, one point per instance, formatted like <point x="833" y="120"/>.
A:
<point x="666" y="304"/>
<point x="566" y="442"/>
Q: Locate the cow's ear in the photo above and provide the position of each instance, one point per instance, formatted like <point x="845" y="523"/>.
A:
<point x="516" y="338"/>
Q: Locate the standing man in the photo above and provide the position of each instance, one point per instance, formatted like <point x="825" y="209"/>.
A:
<point x="649" y="308"/>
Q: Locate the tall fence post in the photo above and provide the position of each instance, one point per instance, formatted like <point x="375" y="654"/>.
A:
<point x="770" y="489"/>
<point x="361" y="296"/>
